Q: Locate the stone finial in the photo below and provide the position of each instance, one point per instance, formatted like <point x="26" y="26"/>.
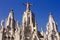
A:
<point x="11" y="14"/>
<point x="17" y="24"/>
<point x="2" y="23"/>
<point x="42" y="32"/>
<point x="51" y="18"/>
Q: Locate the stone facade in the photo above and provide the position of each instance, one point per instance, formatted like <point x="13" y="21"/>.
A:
<point x="11" y="29"/>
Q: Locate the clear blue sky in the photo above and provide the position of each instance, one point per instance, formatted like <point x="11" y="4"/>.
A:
<point x="41" y="9"/>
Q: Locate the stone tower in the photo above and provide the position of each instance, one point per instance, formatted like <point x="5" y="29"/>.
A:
<point x="9" y="29"/>
<point x="52" y="31"/>
<point x="28" y="24"/>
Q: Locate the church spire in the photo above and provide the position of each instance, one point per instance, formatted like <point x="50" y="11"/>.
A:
<point x="51" y="25"/>
<point x="10" y="20"/>
<point x="52" y="28"/>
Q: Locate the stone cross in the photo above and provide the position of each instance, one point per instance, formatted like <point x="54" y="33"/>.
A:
<point x="28" y="6"/>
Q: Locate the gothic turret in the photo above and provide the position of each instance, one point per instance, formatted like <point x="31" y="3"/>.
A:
<point x="52" y="30"/>
<point x="10" y="22"/>
<point x="51" y="23"/>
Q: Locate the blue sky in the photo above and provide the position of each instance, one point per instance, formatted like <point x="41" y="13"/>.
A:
<point x="41" y="9"/>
